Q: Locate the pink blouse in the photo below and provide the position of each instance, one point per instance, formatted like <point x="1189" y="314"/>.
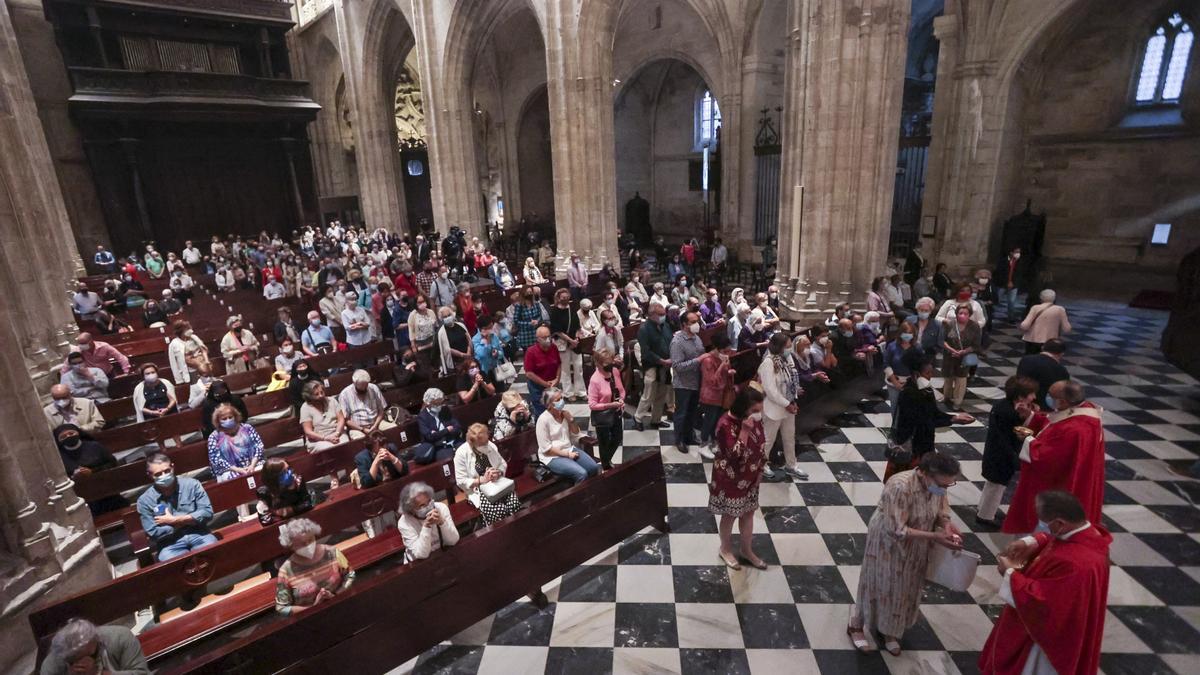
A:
<point x="598" y="390"/>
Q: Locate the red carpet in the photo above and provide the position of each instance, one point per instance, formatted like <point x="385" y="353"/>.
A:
<point x="1152" y="300"/>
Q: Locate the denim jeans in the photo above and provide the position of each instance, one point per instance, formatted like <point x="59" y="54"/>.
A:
<point x="535" y="399"/>
<point x="709" y="416"/>
<point x="686" y="403"/>
<point x="575" y="470"/>
<point x="1009" y="295"/>
<point x="184" y="545"/>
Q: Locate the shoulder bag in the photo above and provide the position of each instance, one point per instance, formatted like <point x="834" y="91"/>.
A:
<point x="497" y="490"/>
<point x="505" y="371"/>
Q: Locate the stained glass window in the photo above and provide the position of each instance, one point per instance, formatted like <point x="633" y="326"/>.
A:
<point x="1165" y="62"/>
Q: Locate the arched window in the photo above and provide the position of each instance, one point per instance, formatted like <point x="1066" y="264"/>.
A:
<point x="1165" y="62"/>
<point x="708" y="120"/>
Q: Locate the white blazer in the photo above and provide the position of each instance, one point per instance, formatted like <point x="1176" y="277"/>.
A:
<point x="464" y="468"/>
<point x="176" y="354"/>
<point x="774" y="402"/>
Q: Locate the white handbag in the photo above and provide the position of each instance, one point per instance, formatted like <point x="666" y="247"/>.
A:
<point x="497" y="490"/>
<point x="953" y="569"/>
<point x="505" y="372"/>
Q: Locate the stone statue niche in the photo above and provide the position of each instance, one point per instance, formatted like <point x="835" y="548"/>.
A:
<point x="1025" y="230"/>
<point x="637" y="219"/>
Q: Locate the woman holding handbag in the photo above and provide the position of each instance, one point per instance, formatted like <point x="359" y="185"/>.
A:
<point x="479" y="472"/>
<point x="960" y="353"/>
<point x="917" y="419"/>
<point x="913" y="514"/>
<point x="606" y="399"/>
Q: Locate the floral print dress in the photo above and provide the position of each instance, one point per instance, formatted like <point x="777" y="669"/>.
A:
<point x="737" y="469"/>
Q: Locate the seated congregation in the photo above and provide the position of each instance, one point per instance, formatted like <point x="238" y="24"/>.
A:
<point x="430" y="403"/>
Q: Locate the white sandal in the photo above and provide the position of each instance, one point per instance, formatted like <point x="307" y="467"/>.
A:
<point x="892" y="646"/>
<point x="860" y="644"/>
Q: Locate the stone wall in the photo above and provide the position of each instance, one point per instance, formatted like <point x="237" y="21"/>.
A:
<point x="1100" y="181"/>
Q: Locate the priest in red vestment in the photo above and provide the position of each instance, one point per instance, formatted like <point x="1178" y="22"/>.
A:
<point x="1055" y="589"/>
<point x="1066" y="452"/>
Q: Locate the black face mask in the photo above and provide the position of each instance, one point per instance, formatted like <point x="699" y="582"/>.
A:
<point x="302" y="374"/>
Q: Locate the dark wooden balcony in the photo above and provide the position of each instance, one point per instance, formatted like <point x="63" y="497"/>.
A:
<point x="102" y="92"/>
<point x="271" y="11"/>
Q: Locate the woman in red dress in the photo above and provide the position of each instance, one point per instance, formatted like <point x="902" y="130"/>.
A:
<point x="737" y="470"/>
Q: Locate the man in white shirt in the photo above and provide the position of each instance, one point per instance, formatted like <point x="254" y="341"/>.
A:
<point x="425" y="525"/>
<point x="85" y="303"/>
<point x="191" y="254"/>
<point x="363" y="404"/>
<point x="274" y="290"/>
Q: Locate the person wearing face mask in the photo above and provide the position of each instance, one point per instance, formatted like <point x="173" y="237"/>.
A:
<point x="317" y="338"/>
<point x="1054" y="585"/>
<point x="283" y="493"/>
<point x="659" y="297"/>
<point x="67" y="409"/>
<point x="923" y="285"/>
<point x="234" y="448"/>
<point x="469" y="307"/>
<point x="532" y="274"/>
<point x="471" y="383"/>
<point x="453" y="341"/>
<point x="216" y="395"/>
<point x="781" y="389"/>
<point x="840" y="312"/>
<point x="99" y="355"/>
<point x="918" y="416"/>
<point x="82" y="456"/>
<point x="287" y="357"/>
<point x="606" y="400"/>
<point x="239" y="347"/>
<point x="1063" y="450"/>
<point x="443" y="290"/>
<point x="543" y="366"/>
<point x="313" y="573"/>
<point x="175" y="512"/>
<point x="1002" y="448"/>
<point x="186" y="352"/>
<point x="577" y="278"/>
<point x="153" y="397"/>
<point x="558" y="440"/>
<point x="331" y="306"/>
<point x="425" y="525"/>
<point x="440" y="431"/>
<point x="589" y="322"/>
<point x="913" y="514"/>
<point x="897" y="355"/>
<point x="82" y="648"/>
<point x="635" y="289"/>
<point x="964" y="295"/>
<point x="423" y="324"/>
<point x="985" y="294"/>
<point x="681" y="291"/>
<point x="926" y="329"/>
<point x="737" y="471"/>
<point x="1012" y="277"/>
<point x="477" y="462"/>
<point x="1046" y="321"/>
<point x="711" y="311"/>
<point x="487" y="347"/>
<point x="356" y="320"/>
<point x="753" y="334"/>
<point x="611" y="337"/>
<point x="654" y="341"/>
<point x="686" y="351"/>
<point x="961" y="348"/>
<point x="877" y="302"/>
<point x="566" y="330"/>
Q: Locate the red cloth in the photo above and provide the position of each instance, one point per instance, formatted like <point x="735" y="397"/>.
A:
<point x="406" y="282"/>
<point x="1060" y="600"/>
<point x="543" y="362"/>
<point x="1066" y="455"/>
<point x="466" y="308"/>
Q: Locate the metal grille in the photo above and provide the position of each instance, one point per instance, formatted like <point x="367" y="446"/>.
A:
<point x="139" y="53"/>
<point x="225" y="59"/>
<point x="766" y="198"/>
<point x="183" y="56"/>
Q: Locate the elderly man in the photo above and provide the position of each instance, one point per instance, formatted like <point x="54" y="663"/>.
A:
<point x="97" y="354"/>
<point x="762" y="310"/>
<point x="542" y="368"/>
<point x="104" y="260"/>
<point x="441" y="433"/>
<point x="1045" y="368"/>
<point x="443" y="290"/>
<point x="851" y="352"/>
<point x="170" y="305"/>
<point x="84" y="381"/>
<point x="81" y="647"/>
<point x="68" y="409"/>
<point x="273" y="290"/>
<point x="425" y="525"/>
<point x="1065" y="451"/>
<point x="686" y="350"/>
<point x="175" y="510"/>
<point x="363" y="404"/>
<point x="577" y="278"/>
<point x="1046" y="321"/>
<point x="85" y="302"/>
<point x="654" y="338"/>
<point x="317" y="338"/>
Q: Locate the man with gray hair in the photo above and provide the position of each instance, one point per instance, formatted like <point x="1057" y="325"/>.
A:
<point x="441" y="433"/>
<point x="81" y="647"/>
<point x="1046" y="321"/>
<point x="68" y="409"/>
<point x="425" y="525"/>
<point x="363" y="404"/>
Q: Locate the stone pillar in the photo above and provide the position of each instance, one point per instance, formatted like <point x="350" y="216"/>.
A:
<point x="845" y="74"/>
<point x="579" y="85"/>
<point x="48" y="547"/>
<point x="964" y="155"/>
<point x="380" y="190"/>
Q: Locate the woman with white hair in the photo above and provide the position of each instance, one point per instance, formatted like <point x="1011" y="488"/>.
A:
<point x="440" y="432"/>
<point x="635" y="289"/>
<point x="321" y="418"/>
<point x="589" y="323"/>
<point x="557" y="438"/>
<point x="927" y="329"/>
<point x="736" y="298"/>
<point x="659" y="297"/>
<point x="239" y="346"/>
<point x="425" y="525"/>
<point x="83" y="647"/>
<point x="533" y="275"/>
<point x="1046" y="321"/>
<point x="477" y="463"/>
<point x="313" y="573"/>
<point x="234" y="447"/>
<point x="453" y="340"/>
<point x="355" y="319"/>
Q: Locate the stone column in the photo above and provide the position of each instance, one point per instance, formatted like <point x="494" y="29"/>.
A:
<point x="579" y="85"/>
<point x="964" y="155"/>
<point x="845" y="74"/>
<point x="380" y="190"/>
<point x="48" y="547"/>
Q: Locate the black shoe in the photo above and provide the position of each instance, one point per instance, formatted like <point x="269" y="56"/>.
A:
<point x="681" y="447"/>
<point x="987" y="523"/>
<point x="638" y="426"/>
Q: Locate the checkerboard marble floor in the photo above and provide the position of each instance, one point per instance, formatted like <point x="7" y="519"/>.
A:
<point x="665" y="604"/>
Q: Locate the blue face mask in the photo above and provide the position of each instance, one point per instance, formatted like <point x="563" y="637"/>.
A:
<point x="937" y="490"/>
<point x="907" y="337"/>
<point x="1042" y="527"/>
<point x="922" y="315"/>
<point x="848" y="333"/>
<point x="229" y="423"/>
<point x="165" y="480"/>
<point x="560" y="404"/>
<point x="286" y="477"/>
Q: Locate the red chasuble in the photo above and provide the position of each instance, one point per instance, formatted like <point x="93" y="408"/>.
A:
<point x="1060" y="601"/>
<point x="1068" y="454"/>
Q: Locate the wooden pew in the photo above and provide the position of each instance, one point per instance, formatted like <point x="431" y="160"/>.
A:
<point x="452" y="590"/>
<point x="243" y="545"/>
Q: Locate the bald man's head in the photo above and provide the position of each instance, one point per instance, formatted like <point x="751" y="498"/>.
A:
<point x="1066" y="394"/>
<point x="60" y="392"/>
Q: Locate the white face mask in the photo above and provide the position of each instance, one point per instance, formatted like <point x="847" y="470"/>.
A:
<point x="757" y="417"/>
<point x="611" y="323"/>
<point x="923" y="383"/>
<point x="695" y="328"/>
<point x="307" y="551"/>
